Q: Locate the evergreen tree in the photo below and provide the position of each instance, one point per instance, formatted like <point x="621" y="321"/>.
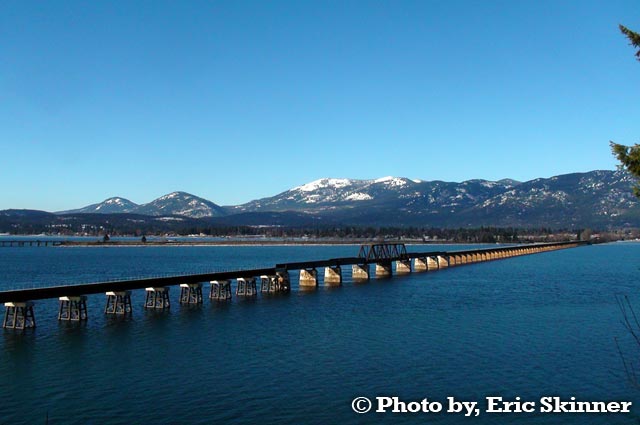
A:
<point x="629" y="156"/>
<point x="633" y="37"/>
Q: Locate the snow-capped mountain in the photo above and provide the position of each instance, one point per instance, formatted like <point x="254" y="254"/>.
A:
<point x="176" y="203"/>
<point x="113" y="205"/>
<point x="398" y="193"/>
<point x="181" y="203"/>
<point x="598" y="199"/>
<point x="568" y="200"/>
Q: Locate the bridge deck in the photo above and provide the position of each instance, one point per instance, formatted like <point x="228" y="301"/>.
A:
<point x="20" y="295"/>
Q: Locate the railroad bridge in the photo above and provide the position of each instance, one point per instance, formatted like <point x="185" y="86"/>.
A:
<point x="19" y="304"/>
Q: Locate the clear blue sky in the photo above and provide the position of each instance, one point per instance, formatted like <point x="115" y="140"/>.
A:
<point x="238" y="100"/>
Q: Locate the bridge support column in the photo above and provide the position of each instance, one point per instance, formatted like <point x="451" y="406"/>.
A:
<point x="284" y="281"/>
<point x="383" y="269"/>
<point x="360" y="272"/>
<point x="420" y="264"/>
<point x="191" y="293"/>
<point x="443" y="261"/>
<point x="432" y="263"/>
<point x="220" y="290"/>
<point x="308" y="278"/>
<point x="73" y="308"/>
<point x="118" y="302"/>
<point x="403" y="266"/>
<point x="157" y="297"/>
<point x="269" y="284"/>
<point x="246" y="287"/>
<point x="19" y="315"/>
<point x="333" y="276"/>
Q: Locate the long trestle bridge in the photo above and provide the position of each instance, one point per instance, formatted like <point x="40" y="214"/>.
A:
<point x="19" y="304"/>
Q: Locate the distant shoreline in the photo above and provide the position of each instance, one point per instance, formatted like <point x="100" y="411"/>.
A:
<point x="40" y="240"/>
<point x="244" y="243"/>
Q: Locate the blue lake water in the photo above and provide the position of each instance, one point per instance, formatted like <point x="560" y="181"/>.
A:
<point x="530" y="326"/>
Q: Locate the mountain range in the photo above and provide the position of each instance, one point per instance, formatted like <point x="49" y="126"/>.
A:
<point x="600" y="199"/>
<point x="175" y="203"/>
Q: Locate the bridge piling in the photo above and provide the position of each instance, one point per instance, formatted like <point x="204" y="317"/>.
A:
<point x="267" y="284"/>
<point x="433" y="263"/>
<point x="308" y="278"/>
<point x="383" y="269"/>
<point x="220" y="290"/>
<point x="118" y="302"/>
<point x="420" y="264"/>
<point x="191" y="293"/>
<point x="19" y="315"/>
<point x="73" y="308"/>
<point x="157" y="298"/>
<point x="271" y="284"/>
<point x="360" y="272"/>
<point x="333" y="276"/>
<point x="246" y="287"/>
<point x="443" y="261"/>
<point x="284" y="281"/>
<point x="403" y="266"/>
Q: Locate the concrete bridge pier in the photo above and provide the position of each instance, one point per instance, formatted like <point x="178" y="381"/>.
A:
<point x="333" y="276"/>
<point x="73" y="308"/>
<point x="360" y="272"/>
<point x="157" y="297"/>
<point x="433" y="263"/>
<point x="420" y="264"/>
<point x="191" y="293"/>
<point x="383" y="269"/>
<point x="118" y="302"/>
<point x="443" y="261"/>
<point x="246" y="287"/>
<point x="403" y="266"/>
<point x="308" y="278"/>
<point x="19" y="315"/>
<point x="220" y="290"/>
